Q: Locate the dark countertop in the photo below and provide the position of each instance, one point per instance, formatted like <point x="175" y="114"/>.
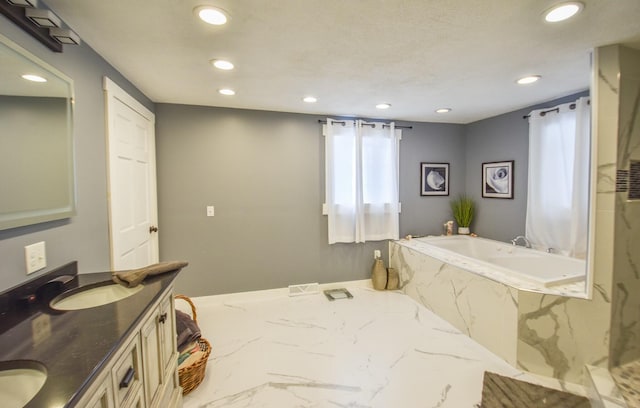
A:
<point x="79" y="342"/>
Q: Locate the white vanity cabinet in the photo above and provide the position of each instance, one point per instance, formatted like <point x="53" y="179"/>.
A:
<point x="143" y="373"/>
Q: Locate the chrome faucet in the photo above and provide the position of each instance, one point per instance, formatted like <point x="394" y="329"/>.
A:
<point x="527" y="244"/>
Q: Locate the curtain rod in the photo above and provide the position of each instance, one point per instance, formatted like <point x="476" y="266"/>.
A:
<point x="556" y="109"/>
<point x="342" y="122"/>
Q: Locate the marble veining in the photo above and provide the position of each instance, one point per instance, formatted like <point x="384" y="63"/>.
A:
<point x="379" y="349"/>
<point x="610" y="84"/>
<point x="548" y="346"/>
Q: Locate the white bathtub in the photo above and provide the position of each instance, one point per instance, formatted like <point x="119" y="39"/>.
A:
<point x="528" y="264"/>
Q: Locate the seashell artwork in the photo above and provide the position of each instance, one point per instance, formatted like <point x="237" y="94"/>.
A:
<point x="498" y="179"/>
<point x="435" y="180"/>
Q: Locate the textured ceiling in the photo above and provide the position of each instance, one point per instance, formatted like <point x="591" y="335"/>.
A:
<point x="418" y="55"/>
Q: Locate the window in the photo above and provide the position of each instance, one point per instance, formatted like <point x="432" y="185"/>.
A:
<point x="361" y="180"/>
<point x="558" y="188"/>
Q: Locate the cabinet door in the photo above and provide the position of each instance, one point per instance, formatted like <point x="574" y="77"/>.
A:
<point x="168" y="331"/>
<point x="102" y="396"/>
<point x="151" y="350"/>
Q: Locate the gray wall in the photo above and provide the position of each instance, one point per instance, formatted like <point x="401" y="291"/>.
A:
<point x="501" y="138"/>
<point x="264" y="173"/>
<point x="431" y="143"/>
<point x="85" y="236"/>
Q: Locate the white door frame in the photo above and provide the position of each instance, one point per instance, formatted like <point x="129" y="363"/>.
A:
<point x="114" y="93"/>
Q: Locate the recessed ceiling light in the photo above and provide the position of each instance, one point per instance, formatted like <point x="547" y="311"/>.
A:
<point x="222" y="64"/>
<point x="563" y="11"/>
<point x="528" y="79"/>
<point x="34" y="78"/>
<point x="310" y="99"/>
<point x="211" y="15"/>
<point x="383" y="106"/>
<point x="227" y="91"/>
<point x="443" y="110"/>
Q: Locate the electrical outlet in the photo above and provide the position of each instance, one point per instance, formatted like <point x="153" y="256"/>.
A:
<point x="210" y="211"/>
<point x="35" y="257"/>
<point x="376" y="254"/>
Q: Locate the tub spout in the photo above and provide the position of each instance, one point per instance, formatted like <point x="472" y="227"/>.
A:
<point x="526" y="242"/>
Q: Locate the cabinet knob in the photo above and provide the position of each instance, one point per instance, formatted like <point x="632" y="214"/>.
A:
<point x="128" y="377"/>
<point x="153" y="229"/>
<point x="163" y="318"/>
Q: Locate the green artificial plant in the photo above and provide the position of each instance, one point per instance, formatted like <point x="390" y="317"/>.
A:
<point x="463" y="209"/>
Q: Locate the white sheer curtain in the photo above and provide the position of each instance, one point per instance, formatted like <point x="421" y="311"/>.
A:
<point x="361" y="180"/>
<point x="558" y="188"/>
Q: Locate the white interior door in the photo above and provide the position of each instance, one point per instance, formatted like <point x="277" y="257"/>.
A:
<point x="132" y="180"/>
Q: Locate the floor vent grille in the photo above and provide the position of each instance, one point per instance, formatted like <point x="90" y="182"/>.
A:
<point x="304" y="289"/>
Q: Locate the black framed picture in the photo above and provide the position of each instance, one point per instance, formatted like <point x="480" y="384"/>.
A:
<point x="497" y="179"/>
<point x="434" y="179"/>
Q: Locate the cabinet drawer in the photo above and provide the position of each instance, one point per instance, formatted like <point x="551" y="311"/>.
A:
<point x="127" y="373"/>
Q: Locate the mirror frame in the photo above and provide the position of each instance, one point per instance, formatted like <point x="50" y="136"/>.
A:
<point x="16" y="219"/>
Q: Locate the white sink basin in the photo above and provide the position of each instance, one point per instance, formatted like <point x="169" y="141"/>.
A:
<point x="92" y="297"/>
<point x="19" y="385"/>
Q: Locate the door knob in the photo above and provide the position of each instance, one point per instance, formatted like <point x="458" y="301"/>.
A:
<point x="153" y="228"/>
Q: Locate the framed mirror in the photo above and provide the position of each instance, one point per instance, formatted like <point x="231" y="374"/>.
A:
<point x="37" y="182"/>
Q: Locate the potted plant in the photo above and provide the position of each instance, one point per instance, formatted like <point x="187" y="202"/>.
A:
<point x="463" y="209"/>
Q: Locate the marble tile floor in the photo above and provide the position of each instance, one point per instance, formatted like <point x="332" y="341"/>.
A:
<point x="379" y="349"/>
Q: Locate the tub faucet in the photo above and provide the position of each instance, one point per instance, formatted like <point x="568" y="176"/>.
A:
<point x="527" y="244"/>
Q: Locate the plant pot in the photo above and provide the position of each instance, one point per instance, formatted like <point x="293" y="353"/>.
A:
<point x="463" y="230"/>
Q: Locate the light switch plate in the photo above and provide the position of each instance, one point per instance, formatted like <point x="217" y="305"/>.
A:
<point x="210" y="211"/>
<point x="35" y="257"/>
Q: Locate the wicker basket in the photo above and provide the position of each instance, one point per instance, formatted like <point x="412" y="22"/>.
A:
<point x="192" y="375"/>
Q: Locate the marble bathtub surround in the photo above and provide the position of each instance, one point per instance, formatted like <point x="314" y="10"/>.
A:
<point x="547" y="334"/>
<point x="575" y="289"/>
<point x="379" y="349"/>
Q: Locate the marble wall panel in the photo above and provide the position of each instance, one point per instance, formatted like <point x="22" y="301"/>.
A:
<point x="483" y="309"/>
<point x="558" y="336"/>
<point x="625" y="319"/>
